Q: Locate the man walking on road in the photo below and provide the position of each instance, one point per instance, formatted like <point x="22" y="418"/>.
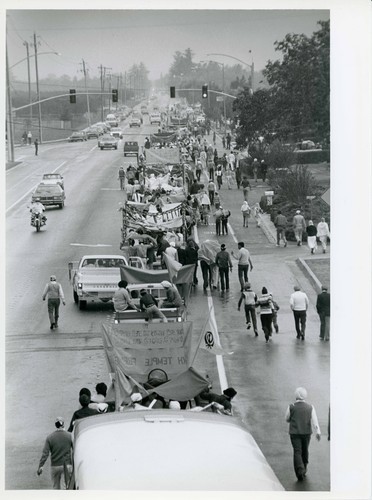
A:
<point x="244" y="259"/>
<point x="299" y="303"/>
<point x="223" y="261"/>
<point x="302" y="420"/>
<point x="250" y="301"/>
<point x="121" y="177"/>
<point x="59" y="445"/>
<point x="323" y="307"/>
<point x="246" y="187"/>
<point x="54" y="291"/>
<point x="280" y="224"/>
<point x="36" y="143"/>
<point x="299" y="226"/>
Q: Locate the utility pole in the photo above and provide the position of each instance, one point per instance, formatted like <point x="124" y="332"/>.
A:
<point x="86" y="91"/>
<point x="252" y="76"/>
<point x="125" y="88"/>
<point x="118" y="86"/>
<point x="38" y="91"/>
<point x="224" y="99"/>
<point x="103" y="76"/>
<point x="26" y="44"/>
<point x="109" y="99"/>
<point x="9" y="115"/>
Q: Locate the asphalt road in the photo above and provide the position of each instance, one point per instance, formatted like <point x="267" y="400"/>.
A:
<point x="45" y="370"/>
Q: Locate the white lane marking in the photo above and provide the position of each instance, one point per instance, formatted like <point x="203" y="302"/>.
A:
<point x="89" y="245"/>
<point x="219" y="359"/>
<point x="30" y="190"/>
<point x="232" y="232"/>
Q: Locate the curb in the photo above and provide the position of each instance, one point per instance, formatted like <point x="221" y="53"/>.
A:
<point x="309" y="274"/>
<point x="267" y="227"/>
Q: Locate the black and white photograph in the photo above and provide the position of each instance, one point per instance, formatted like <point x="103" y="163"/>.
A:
<point x="184" y="285"/>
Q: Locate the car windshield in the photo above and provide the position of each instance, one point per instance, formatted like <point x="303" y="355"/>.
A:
<point x="107" y="138"/>
<point x="48" y="190"/>
<point x="51" y="176"/>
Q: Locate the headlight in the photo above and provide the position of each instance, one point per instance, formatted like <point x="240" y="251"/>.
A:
<point x="80" y="285"/>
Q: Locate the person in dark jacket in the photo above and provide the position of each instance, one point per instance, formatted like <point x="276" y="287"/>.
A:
<point x="311" y="236"/>
<point x="223" y="261"/>
<point x="191" y="256"/>
<point x="83" y="412"/>
<point x="302" y="420"/>
<point x="323" y="307"/>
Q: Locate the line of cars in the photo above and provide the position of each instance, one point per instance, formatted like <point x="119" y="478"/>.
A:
<point x="50" y="191"/>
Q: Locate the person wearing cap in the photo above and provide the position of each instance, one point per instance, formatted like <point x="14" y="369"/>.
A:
<point x="323" y="307"/>
<point x="250" y="300"/>
<point x="59" y="445"/>
<point x="149" y="304"/>
<point x="82" y="412"/>
<point x="53" y="290"/>
<point x="223" y="261"/>
<point x="302" y="420"/>
<point x="173" y="297"/>
<point x="244" y="261"/>
<point x="299" y="303"/>
<point x="299" y="226"/>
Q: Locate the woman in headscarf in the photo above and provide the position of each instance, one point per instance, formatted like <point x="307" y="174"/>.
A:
<point x="311" y="236"/>
<point x="246" y="211"/>
<point x="173" y="297"/>
<point x="323" y="233"/>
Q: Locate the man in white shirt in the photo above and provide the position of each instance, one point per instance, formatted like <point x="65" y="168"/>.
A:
<point x="299" y="303"/>
<point x="244" y="261"/>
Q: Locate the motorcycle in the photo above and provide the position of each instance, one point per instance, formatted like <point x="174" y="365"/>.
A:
<point x="38" y="220"/>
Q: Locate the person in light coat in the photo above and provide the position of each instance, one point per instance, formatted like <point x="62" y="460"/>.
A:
<point x="323" y="233"/>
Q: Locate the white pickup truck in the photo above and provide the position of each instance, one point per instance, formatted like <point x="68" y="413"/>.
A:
<point x="95" y="278"/>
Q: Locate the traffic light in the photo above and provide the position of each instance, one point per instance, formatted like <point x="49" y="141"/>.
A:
<point x="173" y="92"/>
<point x="114" y="95"/>
<point x="72" y="96"/>
<point x="204" y="91"/>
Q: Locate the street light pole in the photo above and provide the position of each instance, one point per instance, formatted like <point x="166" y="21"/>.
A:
<point x="86" y="90"/>
<point x="38" y="91"/>
<point x="251" y="66"/>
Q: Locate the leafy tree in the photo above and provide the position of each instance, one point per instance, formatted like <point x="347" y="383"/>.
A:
<point x="297" y="103"/>
<point x="182" y="64"/>
<point x="300" y="82"/>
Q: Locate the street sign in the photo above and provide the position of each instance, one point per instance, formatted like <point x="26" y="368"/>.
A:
<point x="219" y="98"/>
<point x="326" y="196"/>
<point x="310" y="197"/>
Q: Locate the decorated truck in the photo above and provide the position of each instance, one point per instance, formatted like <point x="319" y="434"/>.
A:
<point x="95" y="278"/>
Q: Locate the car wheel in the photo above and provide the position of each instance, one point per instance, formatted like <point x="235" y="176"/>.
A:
<point x="116" y="147"/>
<point x="61" y="205"/>
<point x="101" y="148"/>
<point x="82" y="304"/>
<point x="76" y="297"/>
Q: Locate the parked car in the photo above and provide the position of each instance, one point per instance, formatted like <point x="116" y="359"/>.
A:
<point x="107" y="142"/>
<point x="78" y="136"/>
<point x="49" y="194"/>
<point x="131" y="148"/>
<point x="53" y="179"/>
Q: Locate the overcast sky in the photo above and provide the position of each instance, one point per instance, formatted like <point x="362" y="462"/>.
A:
<point x="119" y="38"/>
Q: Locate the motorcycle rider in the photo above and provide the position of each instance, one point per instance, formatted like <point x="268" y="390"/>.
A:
<point x="37" y="208"/>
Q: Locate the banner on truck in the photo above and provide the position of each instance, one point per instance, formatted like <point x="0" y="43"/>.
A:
<point x="162" y="155"/>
